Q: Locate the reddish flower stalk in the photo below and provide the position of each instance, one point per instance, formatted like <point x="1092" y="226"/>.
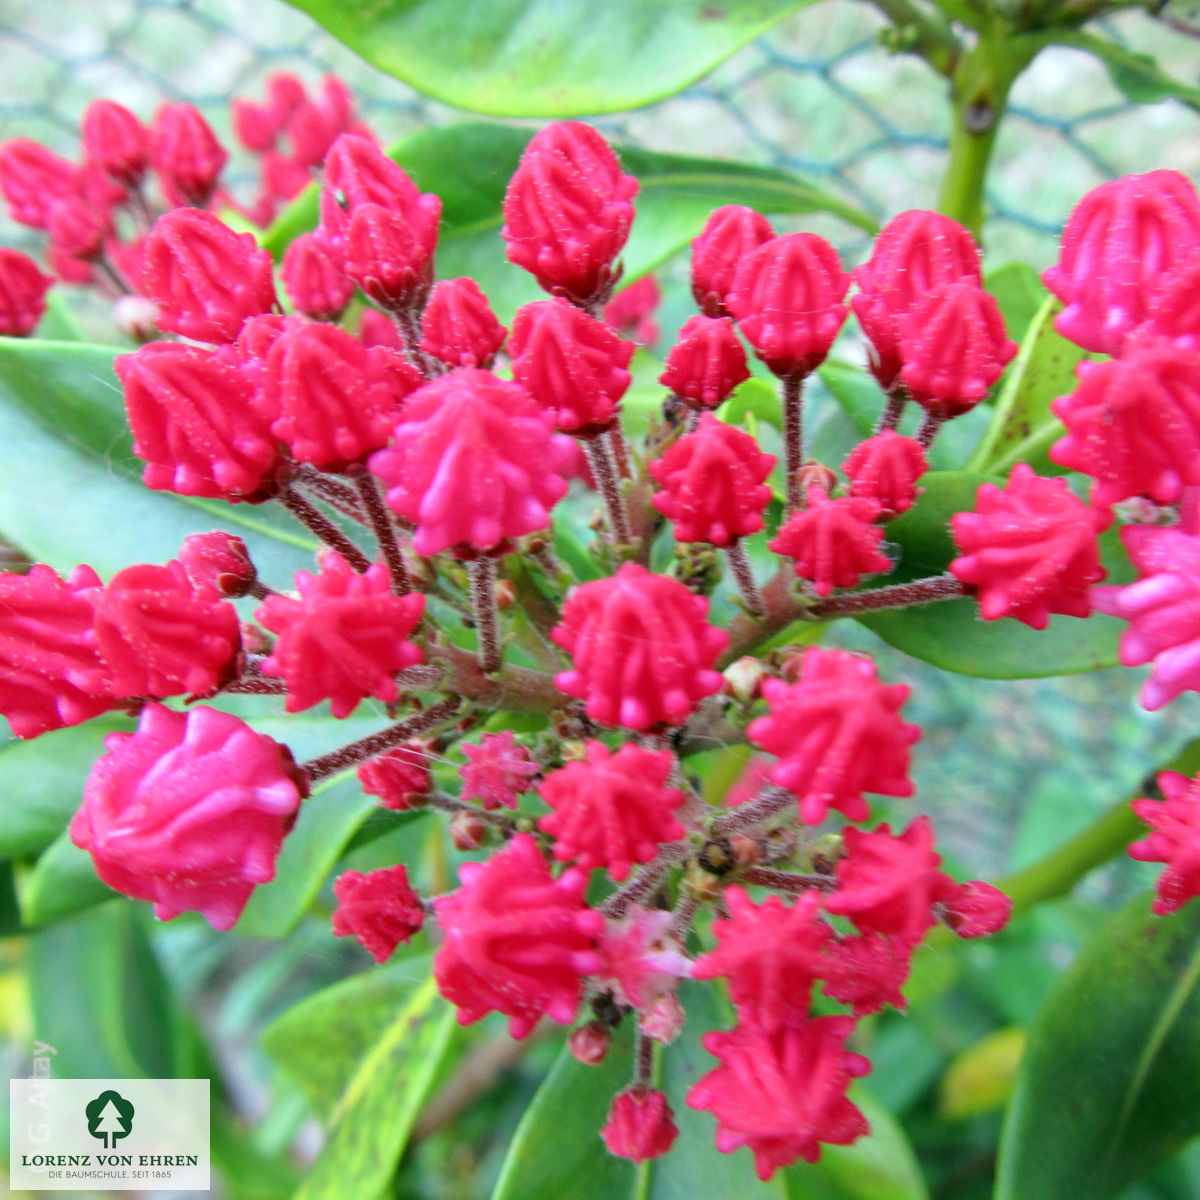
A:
<point x="324" y="528"/>
<point x="793" y="436"/>
<point x="603" y="471"/>
<point x="482" y="571"/>
<point x="743" y="574"/>
<point x="385" y="532"/>
<point x="897" y="595"/>
<point x="787" y="881"/>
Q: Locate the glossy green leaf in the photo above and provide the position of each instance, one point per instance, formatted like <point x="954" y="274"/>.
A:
<point x="548" y="58"/>
<point x="60" y="323"/>
<point x="71" y="489"/>
<point x="101" y="999"/>
<point x="950" y="634"/>
<point x="677" y="194"/>
<point x="320" y="1042"/>
<point x="41" y="783"/>
<point x="62" y="883"/>
<point x="1023" y="428"/>
<point x="1018" y="290"/>
<point x="1108" y="1085"/>
<point x="1137" y="76"/>
<point x="374" y="1115"/>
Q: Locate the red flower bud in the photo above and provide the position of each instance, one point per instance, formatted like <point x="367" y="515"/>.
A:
<point x="389" y="255"/>
<point x="399" y="777"/>
<point x="23" y="290"/>
<point x="379" y="908"/>
<point x="1174" y="839"/>
<point x="731" y="234"/>
<point x="706" y="363"/>
<point x="468" y="831"/>
<point x="567" y="211"/>
<point x="186" y="154"/>
<point x="77" y="228"/>
<point x="219" y="560"/>
<point x="885" y="468"/>
<point x="116" y="141"/>
<point x="206" y="278"/>
<point x="571" y="364"/>
<point x="33" y="179"/>
<point x="315" y="279"/>
<point x="631" y="311"/>
<point x="640" y="1124"/>
<point x="458" y="327"/>
<point x="589" y="1043"/>
<point x="976" y="909"/>
<point x="787" y="299"/>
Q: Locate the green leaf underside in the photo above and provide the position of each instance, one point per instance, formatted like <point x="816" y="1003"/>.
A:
<point x="1108" y="1085"/>
<point x="523" y="58"/>
<point x="677" y="194"/>
<point x="71" y="490"/>
<point x="1136" y="76"/>
<point x="951" y="634"/>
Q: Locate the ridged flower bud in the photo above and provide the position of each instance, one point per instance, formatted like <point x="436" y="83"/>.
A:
<point x="497" y="771"/>
<point x="631" y="311"/>
<point x="568" y="210"/>
<point x="458" y="326"/>
<point x="1174" y="839"/>
<point x="641" y="647"/>
<point x="378" y="908"/>
<point x="186" y="154"/>
<point x="314" y="278"/>
<point x="885" y="469"/>
<point x="116" y="141"/>
<point x="357" y="172"/>
<point x="731" y="234"/>
<point x="706" y="363"/>
<point x="787" y="298"/>
<point x="23" y="290"/>
<point x="473" y="462"/>
<point x="189" y="812"/>
<point x="1119" y="242"/>
<point x="389" y="255"/>
<point x="206" y="279"/>
<point x="33" y="179"/>
<point x="834" y="542"/>
<point x="712" y="483"/>
<point x="571" y="364"/>
<point x="400" y="777"/>
<point x="219" y="560"/>
<point x="640" y="1124"/>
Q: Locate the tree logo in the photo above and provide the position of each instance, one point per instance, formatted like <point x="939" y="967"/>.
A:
<point x="109" y="1117"/>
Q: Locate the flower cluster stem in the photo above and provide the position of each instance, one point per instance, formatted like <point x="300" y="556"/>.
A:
<point x="324" y="528"/>
<point x="788" y="882"/>
<point x="743" y="574"/>
<point x="793" y="435"/>
<point x="898" y="595"/>
<point x="384" y="530"/>
<point x="605" y="475"/>
<point x="487" y="620"/>
<point x="770" y="802"/>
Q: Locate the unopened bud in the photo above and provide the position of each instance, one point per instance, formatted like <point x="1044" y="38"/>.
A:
<point x="589" y="1043"/>
<point x="506" y="594"/>
<point x="743" y="679"/>
<point x="664" y="1019"/>
<point x="816" y="474"/>
<point x="746" y="851"/>
<point x="467" y="831"/>
<point x="136" y="317"/>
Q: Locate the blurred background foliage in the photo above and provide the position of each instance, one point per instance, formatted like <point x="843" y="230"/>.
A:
<point x="301" y="1036"/>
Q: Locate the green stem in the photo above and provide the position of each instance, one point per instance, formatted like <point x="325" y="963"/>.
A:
<point x="923" y="32"/>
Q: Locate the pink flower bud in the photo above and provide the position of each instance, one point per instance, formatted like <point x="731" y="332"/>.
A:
<point x="787" y="299"/>
<point x="51" y="673"/>
<point x="458" y="327"/>
<point x="189" y="812"/>
<point x="613" y="810"/>
<point x="379" y="908"/>
<point x="731" y="234"/>
<point x="256" y="126"/>
<point x="219" y="560"/>
<point x="631" y="311"/>
<point x="782" y="1091"/>
<point x="390" y="256"/>
<point x="77" y="228"/>
<point x="571" y="364"/>
<point x="473" y="462"/>
<point x="706" y="363"/>
<point x="1030" y="549"/>
<point x="868" y="972"/>
<point x="1174" y="310"/>
<point x="1119" y="241"/>
<point x="567" y="211"/>
<point x="641" y="959"/>
<point x="834" y="542"/>
<point x="664" y="1019"/>
<point x="195" y="425"/>
<point x="378" y="329"/>
<point x="23" y="290"/>
<point x="640" y="1124"/>
<point x="468" y="831"/>
<point x="517" y="940"/>
<point x="116" y="141"/>
<point x="163" y="636"/>
<point x="336" y="400"/>
<point x="33" y="179"/>
<point x="712" y="481"/>
<point x="497" y="771"/>
<point x="358" y="173"/>
<point x="1174" y="840"/>
<point x="885" y="469"/>
<point x="953" y="347"/>
<point x="206" y="278"/>
<point x="838" y="734"/>
<point x="186" y="154"/>
<point x="314" y="278"/>
<point x="343" y="639"/>
<point x="641" y="647"/>
<point x="976" y="909"/>
<point x="400" y="777"/>
<point x="589" y="1043"/>
<point x="1133" y="424"/>
<point x="136" y="317"/>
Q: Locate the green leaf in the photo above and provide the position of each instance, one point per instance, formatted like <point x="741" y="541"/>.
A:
<point x="1018" y="290"/>
<point x="62" y="883"/>
<point x="676" y="196"/>
<point x="60" y="323"/>
<point x="951" y="635"/>
<point x="374" y="1116"/>
<point x="1108" y="1085"/>
<point x="1023" y="427"/>
<point x="71" y="489"/>
<point x="547" y="58"/>
<point x="320" y="1042"/>
<point x="41" y="783"/>
<point x="1138" y="77"/>
<point x="101" y="999"/>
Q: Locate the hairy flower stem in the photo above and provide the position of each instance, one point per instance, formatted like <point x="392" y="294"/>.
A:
<point x="897" y="399"/>
<point x="619" y="449"/>
<point x="928" y="429"/>
<point x="483" y="604"/>
<point x="257" y="687"/>
<point x="647" y="880"/>
<point x="739" y="564"/>
<point x="793" y="436"/>
<point x="376" y="743"/>
<point x="260" y="591"/>
<point x="336" y="495"/>
<point x="898" y="595"/>
<point x="324" y="528"/>
<point x="384" y="530"/>
<point x="685" y="913"/>
<point x="643" y="1060"/>
<point x="453" y="805"/>
<point x="408" y="322"/>
<point x="787" y="881"/>
<point x="770" y="802"/>
<point x="605" y="476"/>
